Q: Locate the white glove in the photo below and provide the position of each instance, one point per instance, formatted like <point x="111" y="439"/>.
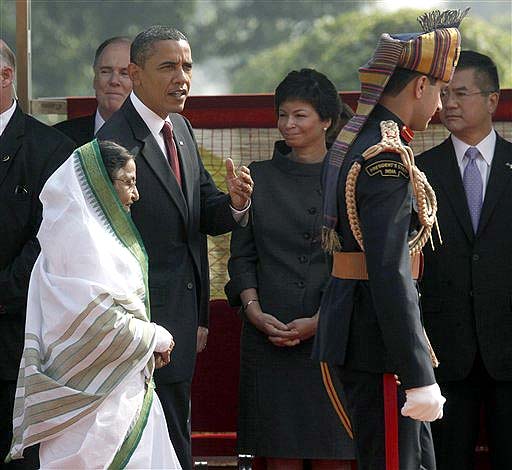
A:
<point x="164" y="339"/>
<point x="424" y="403"/>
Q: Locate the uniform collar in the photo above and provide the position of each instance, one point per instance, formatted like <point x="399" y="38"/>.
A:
<point x="381" y="113"/>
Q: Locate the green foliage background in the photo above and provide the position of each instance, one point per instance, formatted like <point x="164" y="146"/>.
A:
<point x="337" y="46"/>
<point x="254" y="42"/>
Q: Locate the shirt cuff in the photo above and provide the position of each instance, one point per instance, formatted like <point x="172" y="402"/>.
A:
<point x="241" y="217"/>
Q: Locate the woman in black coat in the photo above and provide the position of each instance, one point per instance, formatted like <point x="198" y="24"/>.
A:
<point x="277" y="274"/>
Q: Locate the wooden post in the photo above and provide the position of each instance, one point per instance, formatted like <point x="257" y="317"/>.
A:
<point x="23" y="55"/>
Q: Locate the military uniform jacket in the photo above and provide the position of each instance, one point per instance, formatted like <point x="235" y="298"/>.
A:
<point x="467" y="283"/>
<point x="29" y="153"/>
<point x="375" y="325"/>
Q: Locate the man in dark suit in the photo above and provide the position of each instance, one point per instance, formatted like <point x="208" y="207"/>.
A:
<point x="111" y="84"/>
<point x="467" y="283"/>
<point x="178" y="202"/>
<point x="29" y="153"/>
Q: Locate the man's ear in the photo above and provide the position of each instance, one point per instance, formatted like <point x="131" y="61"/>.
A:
<point x="134" y="73"/>
<point x="419" y="85"/>
<point x="492" y="101"/>
<point x="6" y="76"/>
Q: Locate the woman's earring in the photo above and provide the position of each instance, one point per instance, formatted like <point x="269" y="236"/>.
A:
<point x="325" y="129"/>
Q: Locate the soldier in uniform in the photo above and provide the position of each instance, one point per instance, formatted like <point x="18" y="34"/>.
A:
<point x="370" y="333"/>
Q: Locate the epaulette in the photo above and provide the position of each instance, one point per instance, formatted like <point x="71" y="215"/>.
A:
<point x="423" y="192"/>
<point x="390" y="140"/>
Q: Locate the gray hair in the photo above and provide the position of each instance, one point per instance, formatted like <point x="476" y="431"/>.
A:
<point x="114" y="157"/>
<point x="7" y="57"/>
<point x="142" y="46"/>
<point x="114" y="40"/>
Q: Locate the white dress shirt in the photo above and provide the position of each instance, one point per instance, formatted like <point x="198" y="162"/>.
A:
<point x="6" y="116"/>
<point x="155" y="124"/>
<point x="485" y="147"/>
<point x="98" y="122"/>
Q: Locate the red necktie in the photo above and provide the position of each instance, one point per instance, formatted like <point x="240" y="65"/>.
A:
<point x="172" y="153"/>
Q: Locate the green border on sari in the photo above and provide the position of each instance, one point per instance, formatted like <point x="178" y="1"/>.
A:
<point x="124" y="454"/>
<point x="119" y="220"/>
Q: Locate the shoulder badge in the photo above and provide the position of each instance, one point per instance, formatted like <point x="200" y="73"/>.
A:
<point x="387" y="168"/>
<point x="390" y="142"/>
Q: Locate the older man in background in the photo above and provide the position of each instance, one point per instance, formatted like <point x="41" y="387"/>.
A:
<point x="29" y="153"/>
<point x="111" y="84"/>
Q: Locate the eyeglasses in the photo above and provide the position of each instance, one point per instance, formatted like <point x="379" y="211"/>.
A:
<point x="460" y="95"/>
<point x="129" y="184"/>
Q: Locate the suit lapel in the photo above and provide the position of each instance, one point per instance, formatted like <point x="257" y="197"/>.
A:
<point x="153" y="155"/>
<point x="499" y="178"/>
<point x="448" y="172"/>
<point x="10" y="141"/>
<point x="89" y="127"/>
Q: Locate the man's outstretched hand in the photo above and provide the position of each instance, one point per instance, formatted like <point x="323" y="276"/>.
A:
<point x="240" y="185"/>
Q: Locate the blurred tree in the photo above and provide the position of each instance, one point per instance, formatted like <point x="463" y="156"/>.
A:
<point x="339" y="46"/>
<point x="240" y="28"/>
<point x="249" y="44"/>
<point x="65" y="35"/>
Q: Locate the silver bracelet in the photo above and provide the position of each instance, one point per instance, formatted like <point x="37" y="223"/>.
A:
<point x="249" y="302"/>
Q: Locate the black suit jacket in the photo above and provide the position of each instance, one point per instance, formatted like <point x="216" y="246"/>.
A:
<point x="467" y="283"/>
<point x="80" y="130"/>
<point x="171" y="223"/>
<point x="29" y="153"/>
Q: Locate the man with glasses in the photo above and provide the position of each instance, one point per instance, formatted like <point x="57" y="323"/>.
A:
<point x="467" y="283"/>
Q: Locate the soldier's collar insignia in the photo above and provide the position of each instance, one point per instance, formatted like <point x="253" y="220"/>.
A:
<point x="407" y="134"/>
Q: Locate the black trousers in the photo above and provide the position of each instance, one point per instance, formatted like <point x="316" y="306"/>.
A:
<point x="455" y="436"/>
<point x="175" y="399"/>
<point x="363" y="399"/>
<point x="31" y="455"/>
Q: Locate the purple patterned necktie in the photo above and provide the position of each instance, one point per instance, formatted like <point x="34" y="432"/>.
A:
<point x="473" y="185"/>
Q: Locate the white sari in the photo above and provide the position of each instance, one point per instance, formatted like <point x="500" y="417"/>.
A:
<point x="85" y="389"/>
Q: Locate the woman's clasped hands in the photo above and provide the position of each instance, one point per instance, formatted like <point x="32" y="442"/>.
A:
<point x="279" y="333"/>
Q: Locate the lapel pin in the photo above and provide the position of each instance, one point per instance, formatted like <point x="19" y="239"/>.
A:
<point x="181" y="142"/>
<point x="20" y="190"/>
<point x="509" y="165"/>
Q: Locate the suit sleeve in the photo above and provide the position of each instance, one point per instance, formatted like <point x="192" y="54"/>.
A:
<point x="216" y="216"/>
<point x="385" y="205"/>
<point x="242" y="264"/>
<point x="204" y="302"/>
<point x="14" y="278"/>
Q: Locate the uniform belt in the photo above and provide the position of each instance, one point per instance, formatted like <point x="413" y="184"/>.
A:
<point x="352" y="265"/>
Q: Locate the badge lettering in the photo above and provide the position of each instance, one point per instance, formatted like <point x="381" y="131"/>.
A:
<point x="387" y="168"/>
